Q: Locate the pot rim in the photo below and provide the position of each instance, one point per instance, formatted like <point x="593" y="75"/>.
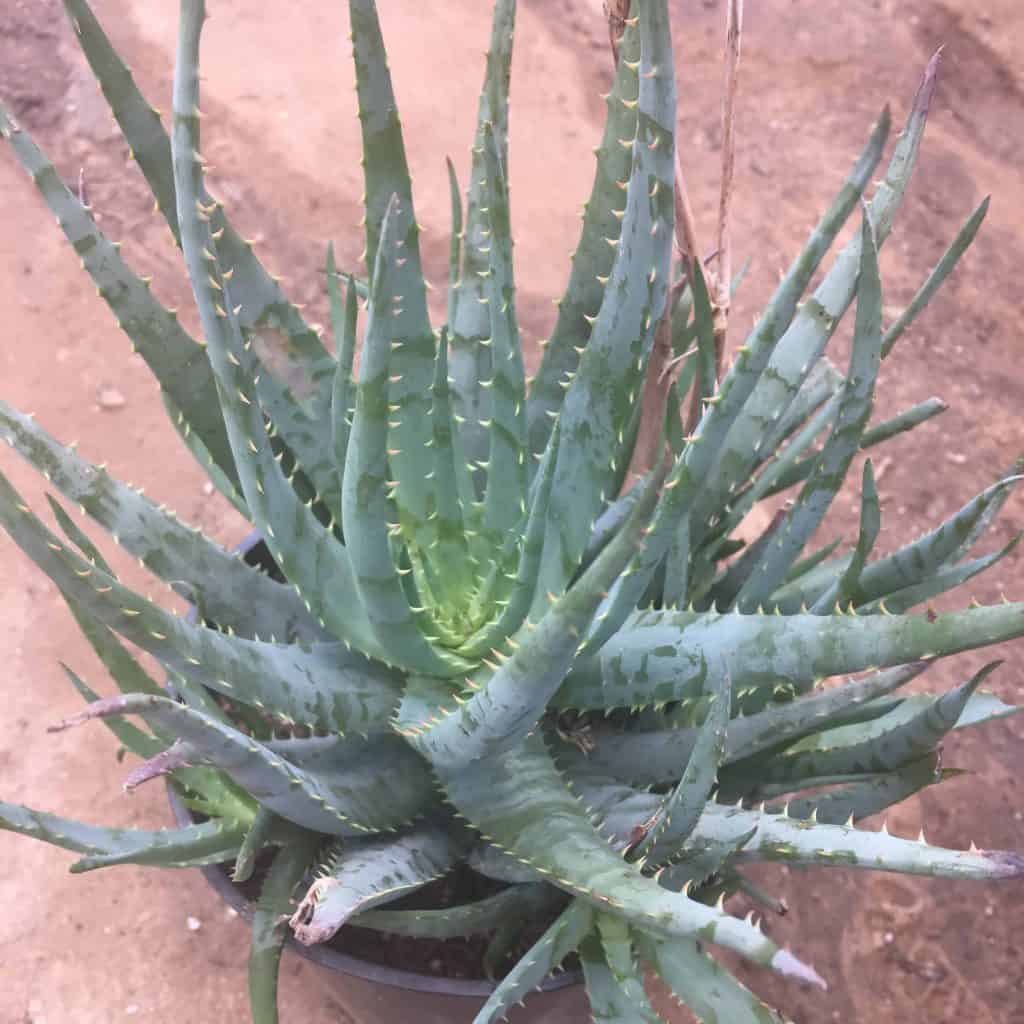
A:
<point x="332" y="959"/>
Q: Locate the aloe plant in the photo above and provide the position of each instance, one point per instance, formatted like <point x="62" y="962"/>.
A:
<point x="485" y="652"/>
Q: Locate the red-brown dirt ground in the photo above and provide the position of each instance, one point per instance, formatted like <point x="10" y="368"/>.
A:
<point x="282" y="135"/>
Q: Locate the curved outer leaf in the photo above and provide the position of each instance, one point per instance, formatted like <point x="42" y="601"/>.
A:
<point x="265" y="310"/>
<point x="324" y="685"/>
<point x="228" y="591"/>
<point x="268" y="929"/>
<point x="307" y="553"/>
<point x="218" y="796"/>
<point x="704" y="986"/>
<point x="868" y="796"/>
<point x="132" y="738"/>
<point x="792" y="841"/>
<point x="682" y="808"/>
<point x="363" y="875"/>
<point x="520" y="802"/>
<point x="884" y="752"/>
<point x="453" y="731"/>
<point x="900" y="601"/>
<point x="595" y="253"/>
<point x="344" y="803"/>
<point x="810" y="329"/>
<point x="161" y="848"/>
<point x="561" y="938"/>
<point x="798" y="471"/>
<point x="178" y="362"/>
<point x="982" y="706"/>
<point x="599" y="406"/>
<point x="666" y="656"/>
<point x="916" y="561"/>
<point x="653" y="757"/>
<point x="843" y="442"/>
<point x="933" y="282"/>
<point x="469" y="318"/>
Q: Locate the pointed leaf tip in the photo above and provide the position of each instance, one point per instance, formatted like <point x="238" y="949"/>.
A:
<point x="1007" y="863"/>
<point x="788" y="965"/>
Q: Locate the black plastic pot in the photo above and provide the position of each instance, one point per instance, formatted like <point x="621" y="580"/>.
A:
<point x="376" y="994"/>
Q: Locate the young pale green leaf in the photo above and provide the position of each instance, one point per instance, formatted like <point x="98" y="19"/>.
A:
<point x="515" y="600"/>
<point x="506" y="704"/>
<point x="450" y="552"/>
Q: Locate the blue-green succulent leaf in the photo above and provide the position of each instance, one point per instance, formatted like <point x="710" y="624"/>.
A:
<point x="361" y="875"/>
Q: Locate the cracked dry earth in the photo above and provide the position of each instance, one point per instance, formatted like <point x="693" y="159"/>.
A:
<point x="282" y="135"/>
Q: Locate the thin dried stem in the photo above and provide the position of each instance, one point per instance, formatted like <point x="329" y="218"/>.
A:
<point x="723" y="278"/>
<point x="617" y="11"/>
<point x="686" y="225"/>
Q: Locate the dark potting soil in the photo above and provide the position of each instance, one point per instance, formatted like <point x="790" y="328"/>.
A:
<point x="458" y="959"/>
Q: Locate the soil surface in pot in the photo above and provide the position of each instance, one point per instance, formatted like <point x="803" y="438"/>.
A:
<point x="461" y="958"/>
